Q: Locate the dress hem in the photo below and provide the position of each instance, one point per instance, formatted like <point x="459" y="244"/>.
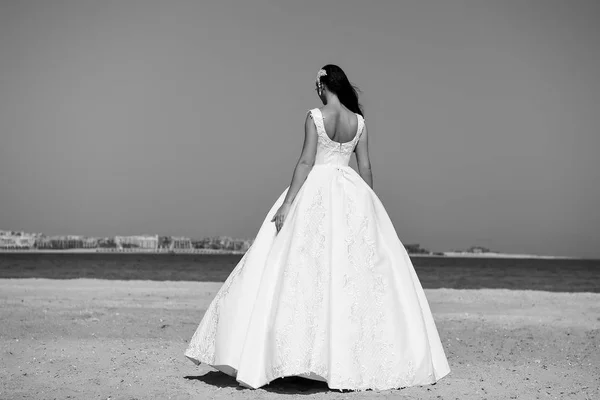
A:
<point x="309" y="375"/>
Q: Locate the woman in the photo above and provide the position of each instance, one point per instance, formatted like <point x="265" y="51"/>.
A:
<point x="326" y="291"/>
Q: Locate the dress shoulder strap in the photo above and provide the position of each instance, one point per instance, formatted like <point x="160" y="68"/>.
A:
<point x="317" y="117"/>
<point x="361" y="125"/>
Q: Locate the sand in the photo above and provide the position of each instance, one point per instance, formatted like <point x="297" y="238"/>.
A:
<point x="100" y="339"/>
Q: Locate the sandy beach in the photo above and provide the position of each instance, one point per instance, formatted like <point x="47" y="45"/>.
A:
<point x="100" y="339"/>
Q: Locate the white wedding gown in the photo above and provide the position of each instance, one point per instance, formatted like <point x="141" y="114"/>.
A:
<point x="333" y="296"/>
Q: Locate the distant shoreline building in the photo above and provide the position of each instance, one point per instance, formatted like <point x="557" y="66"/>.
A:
<point x="66" y="242"/>
<point x="148" y="242"/>
<point x="17" y="240"/>
<point x="223" y="243"/>
<point x="475" y="250"/>
<point x="180" y="243"/>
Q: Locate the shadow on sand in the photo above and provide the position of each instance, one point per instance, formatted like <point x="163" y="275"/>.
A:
<point x="287" y="385"/>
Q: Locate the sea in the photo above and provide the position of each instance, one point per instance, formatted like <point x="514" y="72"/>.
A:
<point x="555" y="275"/>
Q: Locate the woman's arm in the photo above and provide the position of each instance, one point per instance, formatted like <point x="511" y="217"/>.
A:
<point x="306" y="160"/>
<point x="303" y="167"/>
<point x="362" y="158"/>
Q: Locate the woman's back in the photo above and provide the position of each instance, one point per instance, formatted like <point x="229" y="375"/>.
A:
<point x="340" y="124"/>
<point x="336" y="151"/>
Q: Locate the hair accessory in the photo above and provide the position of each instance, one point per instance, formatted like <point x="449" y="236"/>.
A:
<point x="321" y="73"/>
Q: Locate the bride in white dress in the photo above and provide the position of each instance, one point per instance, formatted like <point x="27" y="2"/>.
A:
<point x="326" y="291"/>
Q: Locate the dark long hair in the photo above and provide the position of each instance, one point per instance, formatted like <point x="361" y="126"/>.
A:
<point x="337" y="82"/>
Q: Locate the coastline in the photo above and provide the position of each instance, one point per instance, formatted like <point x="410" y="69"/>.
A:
<point x="459" y="254"/>
<point x="447" y="254"/>
<point x="122" y="251"/>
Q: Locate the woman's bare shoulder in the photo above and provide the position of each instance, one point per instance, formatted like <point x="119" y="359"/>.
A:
<point x="328" y="112"/>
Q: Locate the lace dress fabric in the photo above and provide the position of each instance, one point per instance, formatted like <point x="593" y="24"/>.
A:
<point x="333" y="296"/>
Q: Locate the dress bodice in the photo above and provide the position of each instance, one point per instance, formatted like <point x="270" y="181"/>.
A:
<point x="330" y="151"/>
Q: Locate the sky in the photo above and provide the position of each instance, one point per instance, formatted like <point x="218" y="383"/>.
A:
<point x="187" y="117"/>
